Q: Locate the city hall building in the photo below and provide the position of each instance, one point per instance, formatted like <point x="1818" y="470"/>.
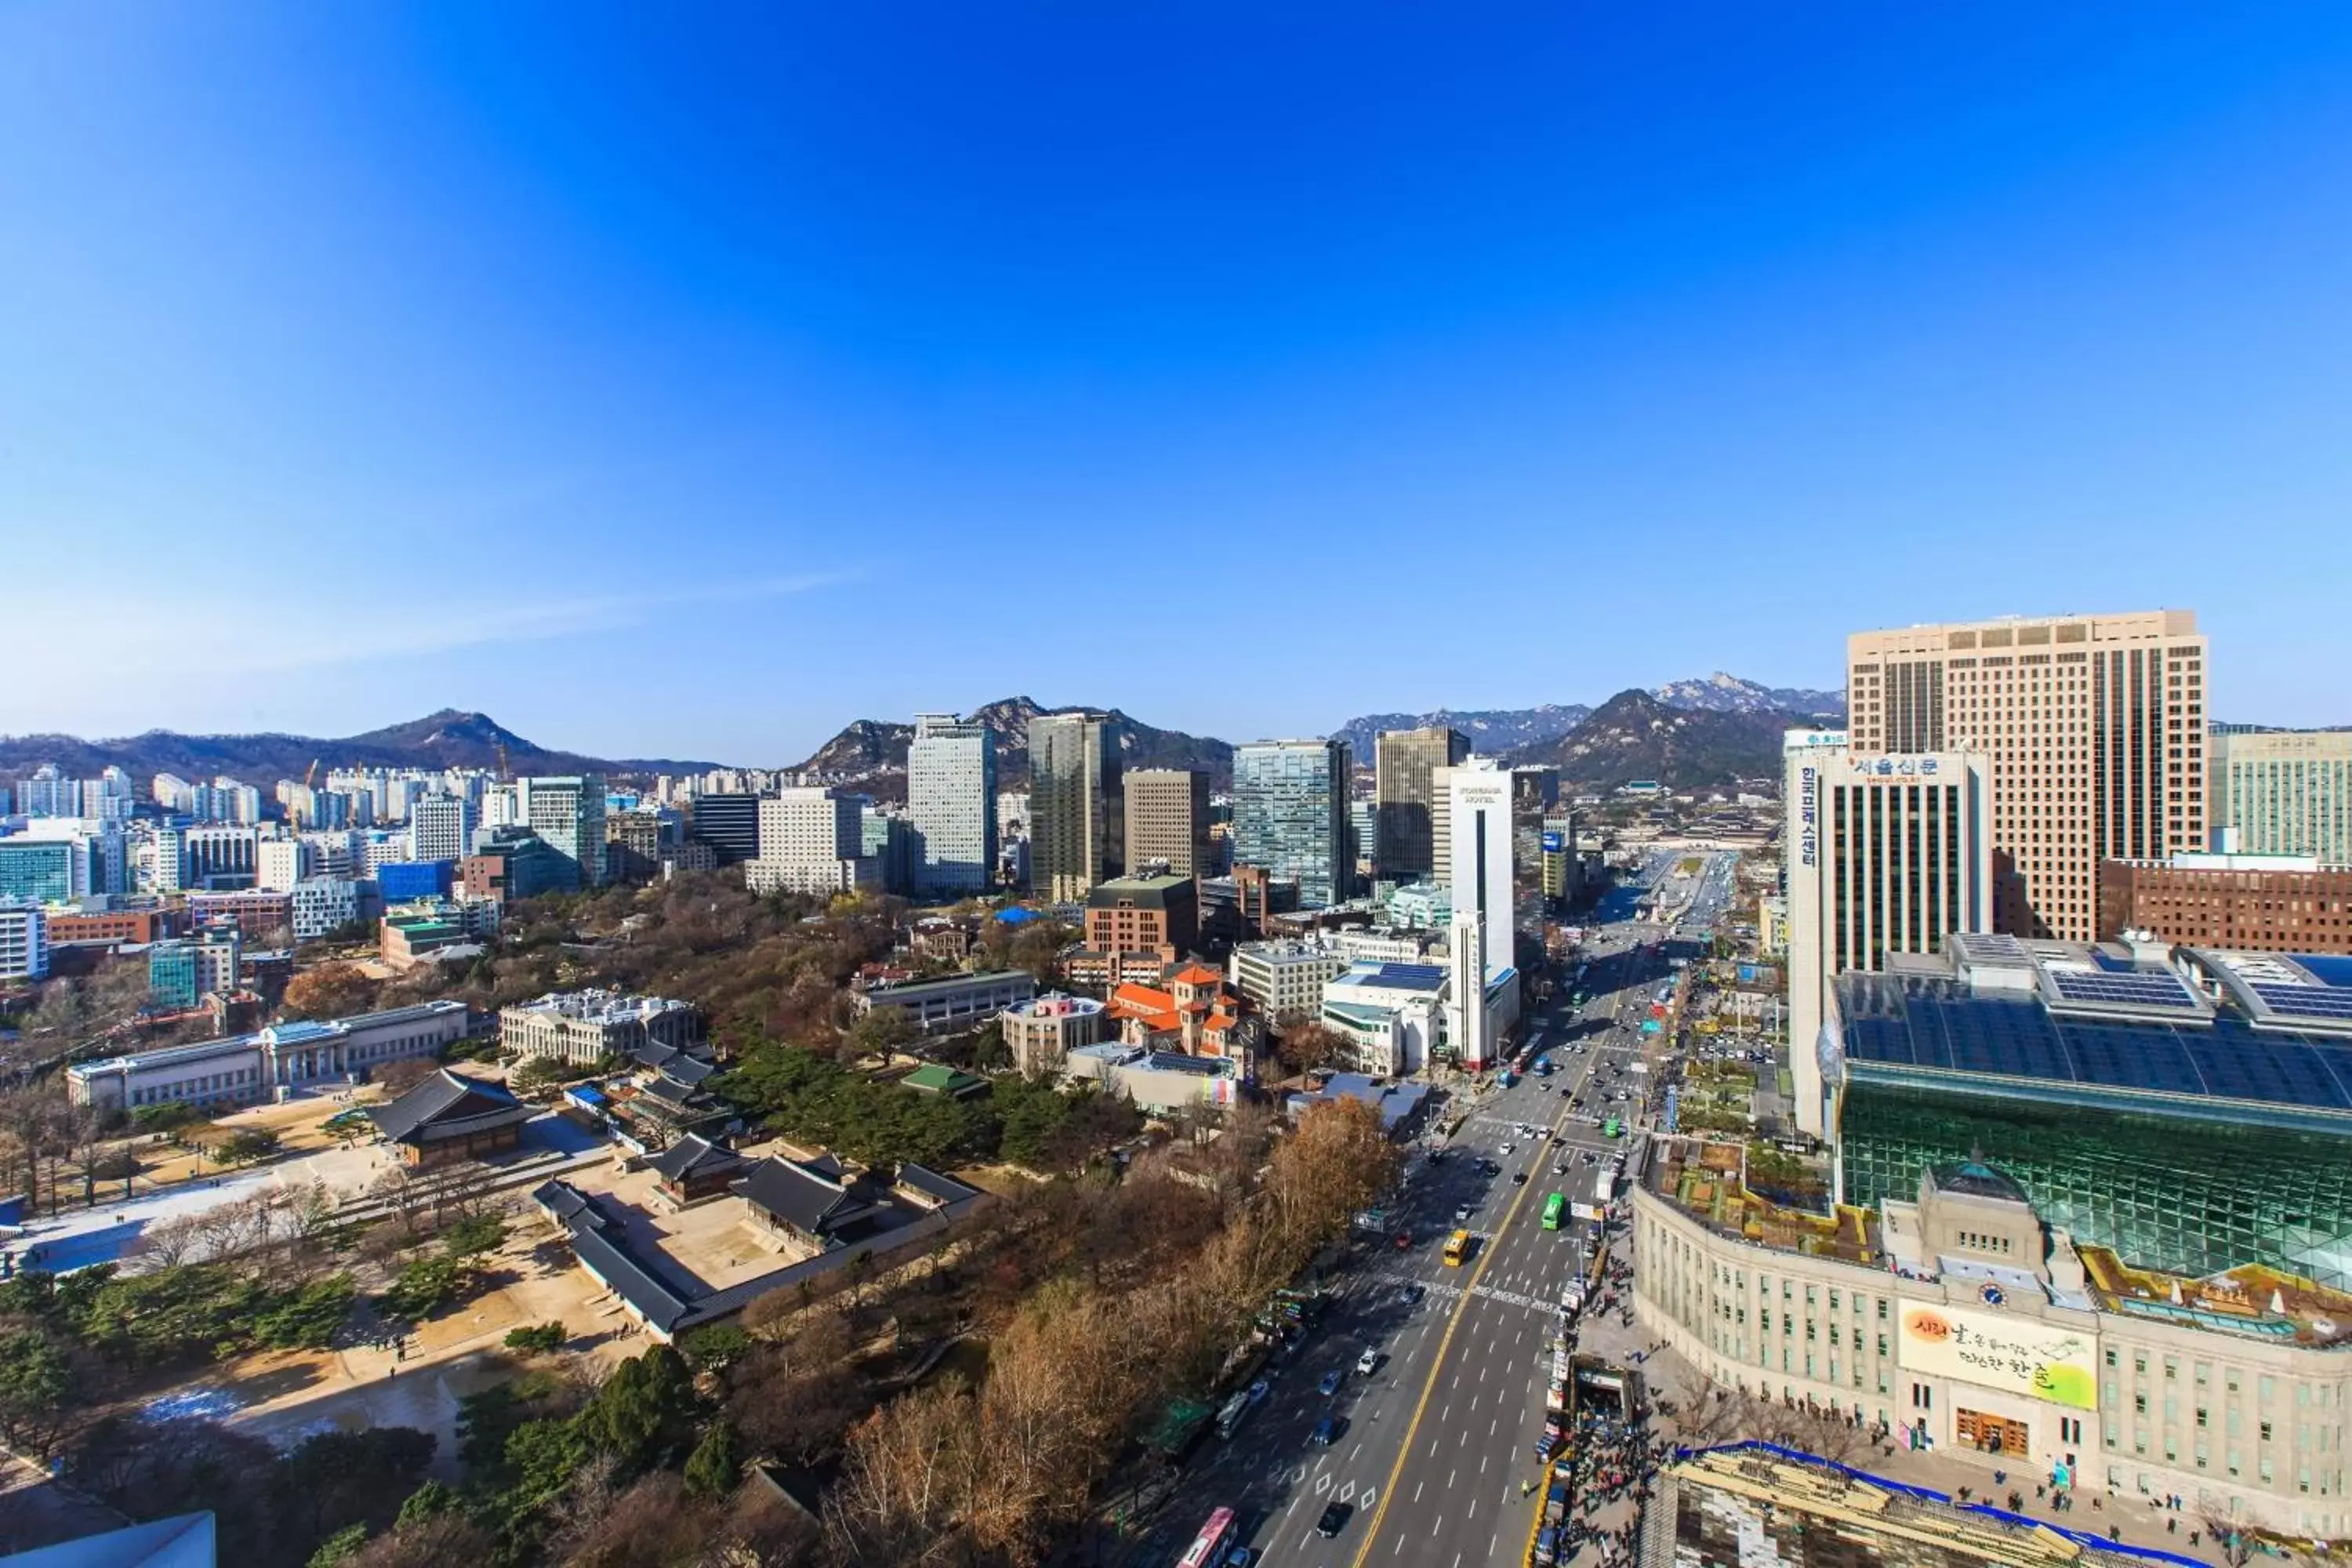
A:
<point x="2088" y="1213"/>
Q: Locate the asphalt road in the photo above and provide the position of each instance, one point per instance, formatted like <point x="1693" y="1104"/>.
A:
<point x="1432" y="1447"/>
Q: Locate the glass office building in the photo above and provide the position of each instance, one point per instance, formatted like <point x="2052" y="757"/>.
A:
<point x="2141" y="1107"/>
<point x="1291" y="816"/>
<point x="43" y="869"/>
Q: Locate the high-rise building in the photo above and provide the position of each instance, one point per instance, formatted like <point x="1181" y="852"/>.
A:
<point x="951" y="797"/>
<point x="1482" y="1000"/>
<point x="729" y="823"/>
<point x="2286" y="792"/>
<point x="811" y="840"/>
<point x="1404" y="793"/>
<point x="1290" y="815"/>
<point x="1168" y="820"/>
<point x="48" y="871"/>
<point x="1077" y="805"/>
<point x="2093" y="731"/>
<point x="1885" y="855"/>
<point x="284" y="862"/>
<point x="568" y="814"/>
<point x="441" y="827"/>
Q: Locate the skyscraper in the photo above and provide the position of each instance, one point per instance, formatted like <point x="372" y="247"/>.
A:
<point x="2287" y="793"/>
<point x="1290" y="814"/>
<point x="1489" y="888"/>
<point x="1168" y="820"/>
<point x="951" y="797"/>
<point x="2093" y="728"/>
<point x="1885" y="854"/>
<point x="1077" y="805"/>
<point x="567" y="812"/>
<point x="1404" y="791"/>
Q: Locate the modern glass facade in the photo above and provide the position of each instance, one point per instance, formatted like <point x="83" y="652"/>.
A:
<point x="40" y="869"/>
<point x="2191" y="1194"/>
<point x="1290" y="815"/>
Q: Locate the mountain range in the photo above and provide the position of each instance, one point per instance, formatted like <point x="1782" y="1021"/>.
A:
<point x="443" y="739"/>
<point x="1506" y="732"/>
<point x="1638" y="735"/>
<point x="871" y="753"/>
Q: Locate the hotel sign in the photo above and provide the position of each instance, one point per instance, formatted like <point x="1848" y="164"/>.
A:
<point x="2033" y="1359"/>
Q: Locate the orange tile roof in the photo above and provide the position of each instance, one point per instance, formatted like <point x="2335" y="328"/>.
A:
<point x="1197" y="974"/>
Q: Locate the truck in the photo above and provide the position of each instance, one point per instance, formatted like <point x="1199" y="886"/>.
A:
<point x="1233" y="1412"/>
<point x="1596" y="1206"/>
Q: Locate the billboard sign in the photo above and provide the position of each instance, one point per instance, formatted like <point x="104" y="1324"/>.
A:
<point x="1553" y="843"/>
<point x="2037" y="1361"/>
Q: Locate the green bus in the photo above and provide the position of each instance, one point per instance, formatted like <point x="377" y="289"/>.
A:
<point x="1613" y="1127"/>
<point x="1555" y="1210"/>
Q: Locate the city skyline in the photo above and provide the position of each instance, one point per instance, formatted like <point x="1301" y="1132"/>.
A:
<point x="790" y="333"/>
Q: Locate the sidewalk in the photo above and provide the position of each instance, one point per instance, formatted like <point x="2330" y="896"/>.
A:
<point x="2138" y="1521"/>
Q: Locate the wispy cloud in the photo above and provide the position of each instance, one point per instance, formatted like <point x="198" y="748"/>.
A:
<point x="140" y="647"/>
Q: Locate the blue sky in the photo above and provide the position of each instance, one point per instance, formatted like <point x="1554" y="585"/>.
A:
<point x="688" y="381"/>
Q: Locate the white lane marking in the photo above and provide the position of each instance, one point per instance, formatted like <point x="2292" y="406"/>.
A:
<point x="1416" y="1490"/>
<point x="1449" y="1483"/>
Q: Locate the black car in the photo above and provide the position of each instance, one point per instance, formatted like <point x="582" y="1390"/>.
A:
<point x="1334" y="1520"/>
<point x="1518" y="1178"/>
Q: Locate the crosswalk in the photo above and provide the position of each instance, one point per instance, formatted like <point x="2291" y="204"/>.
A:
<point x="1448" y="1290"/>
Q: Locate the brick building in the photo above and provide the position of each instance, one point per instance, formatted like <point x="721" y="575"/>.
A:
<point x="2266" y="904"/>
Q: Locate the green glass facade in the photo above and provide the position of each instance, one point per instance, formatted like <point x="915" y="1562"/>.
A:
<point x="2189" y="1194"/>
<point x="40" y="869"/>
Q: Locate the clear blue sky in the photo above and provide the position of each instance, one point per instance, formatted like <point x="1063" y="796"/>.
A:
<point x="690" y="380"/>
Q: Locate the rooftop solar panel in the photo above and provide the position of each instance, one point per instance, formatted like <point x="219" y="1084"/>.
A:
<point x="1919" y="1022"/>
<point x="2138" y="988"/>
<point x="2306" y="1001"/>
<point x="2327" y="968"/>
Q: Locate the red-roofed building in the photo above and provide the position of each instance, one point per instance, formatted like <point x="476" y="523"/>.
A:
<point x="1192" y="1010"/>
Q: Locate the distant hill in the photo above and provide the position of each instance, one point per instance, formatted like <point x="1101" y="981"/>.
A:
<point x="447" y="739"/>
<point x="1501" y="732"/>
<point x="872" y="752"/>
<point x="1634" y="735"/>
<point x="1493" y="730"/>
<point x="1721" y="693"/>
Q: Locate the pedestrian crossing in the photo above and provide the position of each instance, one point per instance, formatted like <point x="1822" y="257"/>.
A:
<point x="1448" y="1290"/>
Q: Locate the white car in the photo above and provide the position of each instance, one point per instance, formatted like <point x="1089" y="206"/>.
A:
<point x="1368" y="1364"/>
<point x="1506" y="1148"/>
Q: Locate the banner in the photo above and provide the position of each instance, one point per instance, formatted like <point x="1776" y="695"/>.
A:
<point x="2035" y="1359"/>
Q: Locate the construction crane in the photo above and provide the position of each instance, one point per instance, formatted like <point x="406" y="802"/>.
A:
<point x="311" y="777"/>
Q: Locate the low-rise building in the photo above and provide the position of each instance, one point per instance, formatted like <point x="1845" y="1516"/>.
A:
<point x="182" y="971"/>
<point x="2270" y="903"/>
<point x="1285" y="978"/>
<point x="511" y="863"/>
<point x="247" y="1069"/>
<point x="1155" y="1080"/>
<point x="586" y="1027"/>
<point x="953" y="1003"/>
<point x="111" y="927"/>
<point x="1043" y="1031"/>
<point x="24" y="941"/>
<point x="1191" y="1011"/>
<point x="451" y="1117"/>
<point x="444" y="929"/>
<point x="1144" y="914"/>
<point x="1390" y="1014"/>
<point x="255" y="912"/>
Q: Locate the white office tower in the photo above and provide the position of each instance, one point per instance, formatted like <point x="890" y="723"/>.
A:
<point x="951" y="797"/>
<point x="441" y="826"/>
<point x="811" y="840"/>
<point x="1478" y="800"/>
<point x="282" y="862"/>
<point x="1886" y="854"/>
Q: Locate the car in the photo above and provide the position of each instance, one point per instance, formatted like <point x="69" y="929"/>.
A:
<point x="1242" y="1557"/>
<point x="1403" y="1240"/>
<point x="1460" y="1214"/>
<point x="1368" y="1363"/>
<point x="1334" y="1520"/>
<point x="1518" y="1178"/>
<point x="1408" y="1295"/>
<point x="1259" y="1390"/>
<point x="1506" y="1148"/>
<point x="1329" y="1384"/>
<point x="1326" y="1433"/>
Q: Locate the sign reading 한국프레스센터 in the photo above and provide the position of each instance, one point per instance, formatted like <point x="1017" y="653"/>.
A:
<point x="2036" y="1360"/>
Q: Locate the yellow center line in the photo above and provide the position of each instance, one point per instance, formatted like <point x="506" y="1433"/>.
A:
<point x="1445" y="1343"/>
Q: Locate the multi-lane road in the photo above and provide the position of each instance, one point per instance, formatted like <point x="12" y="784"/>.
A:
<point x="1432" y="1450"/>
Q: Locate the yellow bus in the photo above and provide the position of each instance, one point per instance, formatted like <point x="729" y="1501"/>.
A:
<point x="1457" y="1247"/>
